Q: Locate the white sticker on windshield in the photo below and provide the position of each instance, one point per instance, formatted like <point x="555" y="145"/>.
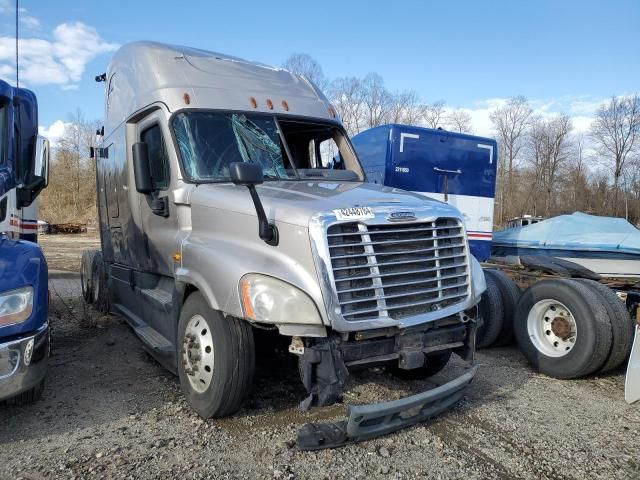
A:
<point x="354" y="213"/>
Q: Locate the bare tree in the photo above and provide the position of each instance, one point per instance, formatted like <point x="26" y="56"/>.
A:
<point x="616" y="132"/>
<point x="304" y="64"/>
<point x="459" y="121"/>
<point x="510" y="123"/>
<point x="433" y="114"/>
<point x="347" y="96"/>
<point x="71" y="193"/>
<point x="406" y="108"/>
<point x="377" y="101"/>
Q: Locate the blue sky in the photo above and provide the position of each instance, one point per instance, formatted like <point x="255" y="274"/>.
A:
<point x="566" y="56"/>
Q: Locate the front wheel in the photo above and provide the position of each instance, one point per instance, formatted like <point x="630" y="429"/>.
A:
<point x="216" y="358"/>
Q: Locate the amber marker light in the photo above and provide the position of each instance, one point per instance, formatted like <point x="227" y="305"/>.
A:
<point x="285" y="105"/>
<point x="176" y="257"/>
<point x="186" y="98"/>
<point x="254" y="102"/>
<point x="269" y="104"/>
<point x="246" y="300"/>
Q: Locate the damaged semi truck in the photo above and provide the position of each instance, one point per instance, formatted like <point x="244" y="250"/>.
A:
<point x="230" y="197"/>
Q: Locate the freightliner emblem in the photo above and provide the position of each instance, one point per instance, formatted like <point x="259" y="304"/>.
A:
<point x="401" y="216"/>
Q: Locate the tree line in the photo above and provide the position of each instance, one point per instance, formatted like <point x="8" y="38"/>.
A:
<point x="545" y="167"/>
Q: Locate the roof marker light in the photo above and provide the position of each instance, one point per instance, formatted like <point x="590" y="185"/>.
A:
<point x="269" y="104"/>
<point x="285" y="105"/>
<point x="186" y="98"/>
<point x="254" y="102"/>
<point x="332" y="112"/>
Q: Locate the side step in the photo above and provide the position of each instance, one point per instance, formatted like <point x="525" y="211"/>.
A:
<point x="161" y="298"/>
<point x="154" y="340"/>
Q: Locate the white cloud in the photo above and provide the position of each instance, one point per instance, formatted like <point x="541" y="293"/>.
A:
<point x="54" y="132"/>
<point x="60" y="61"/>
<point x="8" y="8"/>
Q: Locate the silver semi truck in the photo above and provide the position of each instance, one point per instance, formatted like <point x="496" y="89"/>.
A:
<point x="230" y="198"/>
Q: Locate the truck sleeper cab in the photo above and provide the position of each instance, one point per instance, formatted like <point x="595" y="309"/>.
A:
<point x="24" y="329"/>
<point x="230" y="197"/>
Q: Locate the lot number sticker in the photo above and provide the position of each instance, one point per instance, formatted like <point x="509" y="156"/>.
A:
<point x="354" y="213"/>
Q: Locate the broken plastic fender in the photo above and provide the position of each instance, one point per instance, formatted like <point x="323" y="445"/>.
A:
<point x="369" y="421"/>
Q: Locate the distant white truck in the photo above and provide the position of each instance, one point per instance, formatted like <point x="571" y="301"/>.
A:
<point x="229" y="198"/>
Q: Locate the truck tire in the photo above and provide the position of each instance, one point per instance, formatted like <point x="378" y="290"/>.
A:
<point x="99" y="284"/>
<point x="30" y="396"/>
<point x="216" y="358"/>
<point x="621" y="324"/>
<point x="562" y="328"/>
<point x="510" y="293"/>
<point x="435" y="362"/>
<point x="492" y="313"/>
<point x="86" y="266"/>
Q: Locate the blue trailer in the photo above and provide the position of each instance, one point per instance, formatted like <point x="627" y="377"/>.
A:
<point x="24" y="330"/>
<point x="456" y="168"/>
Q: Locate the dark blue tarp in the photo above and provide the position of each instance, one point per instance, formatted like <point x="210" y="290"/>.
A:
<point x="578" y="231"/>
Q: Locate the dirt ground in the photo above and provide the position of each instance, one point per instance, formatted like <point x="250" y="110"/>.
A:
<point x="110" y="411"/>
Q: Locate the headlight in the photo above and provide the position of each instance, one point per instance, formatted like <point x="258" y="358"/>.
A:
<point x="16" y="305"/>
<point x="269" y="300"/>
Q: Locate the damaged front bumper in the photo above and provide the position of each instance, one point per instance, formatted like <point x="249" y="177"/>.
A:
<point x="325" y="364"/>
<point x="369" y="421"/>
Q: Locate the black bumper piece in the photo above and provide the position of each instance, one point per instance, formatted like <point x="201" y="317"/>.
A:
<point x="369" y="421"/>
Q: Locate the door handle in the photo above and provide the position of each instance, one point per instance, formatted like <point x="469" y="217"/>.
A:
<point x="442" y="170"/>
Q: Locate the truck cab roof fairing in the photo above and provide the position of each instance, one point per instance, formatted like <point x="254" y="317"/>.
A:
<point x="142" y="73"/>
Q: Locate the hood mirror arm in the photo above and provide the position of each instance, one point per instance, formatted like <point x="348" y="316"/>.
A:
<point x="250" y="175"/>
<point x="266" y="231"/>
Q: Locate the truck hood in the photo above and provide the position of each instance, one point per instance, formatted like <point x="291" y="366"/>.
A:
<point x="295" y="202"/>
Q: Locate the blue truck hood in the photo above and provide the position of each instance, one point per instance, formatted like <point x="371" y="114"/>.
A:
<point x="22" y="263"/>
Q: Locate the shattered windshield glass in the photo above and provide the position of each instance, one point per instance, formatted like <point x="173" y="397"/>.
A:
<point x="210" y="141"/>
<point x="256" y="146"/>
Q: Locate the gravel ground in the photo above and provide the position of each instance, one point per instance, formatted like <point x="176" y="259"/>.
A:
<point x="110" y="411"/>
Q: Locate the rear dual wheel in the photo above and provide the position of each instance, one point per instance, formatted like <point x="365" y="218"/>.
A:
<point x="563" y="328"/>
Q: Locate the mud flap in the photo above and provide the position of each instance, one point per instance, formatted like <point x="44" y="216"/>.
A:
<point x="369" y="421"/>
<point x="632" y="380"/>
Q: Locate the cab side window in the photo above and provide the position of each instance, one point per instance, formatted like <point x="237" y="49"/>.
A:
<point x="158" y="158"/>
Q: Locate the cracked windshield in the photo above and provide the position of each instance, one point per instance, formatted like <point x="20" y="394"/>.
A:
<point x="210" y="141"/>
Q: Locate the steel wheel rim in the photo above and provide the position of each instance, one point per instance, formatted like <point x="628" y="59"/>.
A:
<point x="552" y="328"/>
<point x="197" y="353"/>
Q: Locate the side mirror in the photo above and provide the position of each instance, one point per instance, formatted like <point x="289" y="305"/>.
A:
<point x="246" y="173"/>
<point x="250" y="175"/>
<point x="41" y="161"/>
<point x="37" y="172"/>
<point x="141" y="170"/>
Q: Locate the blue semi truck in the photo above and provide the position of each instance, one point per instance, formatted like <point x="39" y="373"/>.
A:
<point x="24" y="330"/>
<point x="456" y="168"/>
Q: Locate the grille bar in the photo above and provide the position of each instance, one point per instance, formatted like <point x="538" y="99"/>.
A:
<point x="398" y="270"/>
<point x="400" y="230"/>
<point x="438" y="288"/>
<point x="409" y="304"/>
<point x="394" y="274"/>
<point x="385" y="242"/>
<point x="404" y="284"/>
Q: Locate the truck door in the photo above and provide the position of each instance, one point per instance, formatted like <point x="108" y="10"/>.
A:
<point x="159" y="232"/>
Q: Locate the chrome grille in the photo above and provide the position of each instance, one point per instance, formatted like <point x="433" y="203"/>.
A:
<point x="398" y="270"/>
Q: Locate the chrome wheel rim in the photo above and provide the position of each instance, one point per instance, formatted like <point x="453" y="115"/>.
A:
<point x="197" y="353"/>
<point x="552" y="328"/>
